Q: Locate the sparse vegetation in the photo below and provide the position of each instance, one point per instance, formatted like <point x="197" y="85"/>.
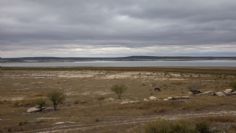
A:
<point x="119" y="90"/>
<point x="41" y="104"/>
<point x="87" y="89"/>
<point x="202" y="127"/>
<point x="22" y="123"/>
<point x="194" y="88"/>
<point x="233" y="85"/>
<point x="56" y="97"/>
<point x="164" y="126"/>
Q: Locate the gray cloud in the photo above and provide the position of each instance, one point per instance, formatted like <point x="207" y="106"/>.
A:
<point x="53" y="25"/>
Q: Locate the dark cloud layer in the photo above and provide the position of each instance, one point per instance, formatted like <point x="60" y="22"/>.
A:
<point x="117" y="27"/>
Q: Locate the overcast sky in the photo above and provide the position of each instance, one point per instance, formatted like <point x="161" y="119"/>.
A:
<point x="117" y="28"/>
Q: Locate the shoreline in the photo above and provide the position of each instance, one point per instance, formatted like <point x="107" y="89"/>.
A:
<point x="207" y="70"/>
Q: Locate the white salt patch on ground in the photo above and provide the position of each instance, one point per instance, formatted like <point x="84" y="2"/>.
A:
<point x="102" y="93"/>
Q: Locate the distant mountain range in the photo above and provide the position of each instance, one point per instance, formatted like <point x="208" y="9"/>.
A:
<point x="128" y="58"/>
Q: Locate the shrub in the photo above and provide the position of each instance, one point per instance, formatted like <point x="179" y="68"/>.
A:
<point x="41" y="104"/>
<point x="165" y="126"/>
<point x="170" y="127"/>
<point x="202" y="127"/>
<point x="194" y="88"/>
<point x="158" y="127"/>
<point x="101" y="98"/>
<point x="56" y="97"/>
<point x="22" y="123"/>
<point x="76" y="102"/>
<point x="233" y="85"/>
<point x="119" y="90"/>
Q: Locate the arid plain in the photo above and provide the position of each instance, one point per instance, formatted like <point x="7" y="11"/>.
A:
<point x="91" y="106"/>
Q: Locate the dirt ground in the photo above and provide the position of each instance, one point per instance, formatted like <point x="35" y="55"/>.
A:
<point x="91" y="106"/>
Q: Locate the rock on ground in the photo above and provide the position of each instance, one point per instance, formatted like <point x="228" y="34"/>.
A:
<point x="233" y="93"/>
<point x="168" y="98"/>
<point x="208" y="93"/>
<point x="128" y="101"/>
<point x="176" y="98"/>
<point x="145" y="100"/>
<point x="228" y="91"/>
<point x="110" y="99"/>
<point x="62" y="122"/>
<point x="194" y="92"/>
<point x="220" y="94"/>
<point x="152" y="98"/>
<point x="33" y="109"/>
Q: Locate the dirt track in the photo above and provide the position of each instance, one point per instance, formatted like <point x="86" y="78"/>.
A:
<point x="136" y="120"/>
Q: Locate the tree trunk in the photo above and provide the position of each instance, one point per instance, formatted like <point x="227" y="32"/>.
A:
<point x="119" y="96"/>
<point x="55" y="107"/>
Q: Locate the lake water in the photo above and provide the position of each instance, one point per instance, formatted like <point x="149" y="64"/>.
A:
<point x="192" y="63"/>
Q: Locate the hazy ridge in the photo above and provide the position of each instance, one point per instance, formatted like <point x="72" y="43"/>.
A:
<point x="128" y="58"/>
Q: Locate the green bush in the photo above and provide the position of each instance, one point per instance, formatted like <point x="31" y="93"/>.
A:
<point x="56" y="97"/>
<point x="119" y="90"/>
<point x="233" y="85"/>
<point x="41" y="103"/>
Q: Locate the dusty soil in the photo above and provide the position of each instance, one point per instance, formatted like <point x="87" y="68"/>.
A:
<point x="73" y="127"/>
